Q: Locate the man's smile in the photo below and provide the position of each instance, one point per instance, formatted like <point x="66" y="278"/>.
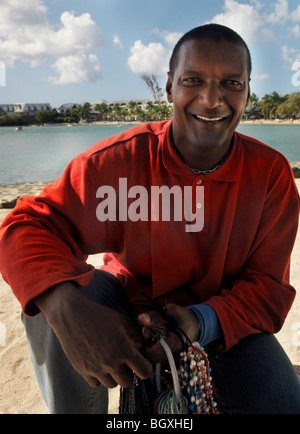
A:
<point x="209" y="118"/>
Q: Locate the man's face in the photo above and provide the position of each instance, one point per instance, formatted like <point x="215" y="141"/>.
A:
<point x="209" y="92"/>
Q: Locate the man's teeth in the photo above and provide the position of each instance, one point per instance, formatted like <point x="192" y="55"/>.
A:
<point x="203" y="118"/>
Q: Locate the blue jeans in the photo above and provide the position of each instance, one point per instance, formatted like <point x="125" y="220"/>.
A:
<point x="253" y="377"/>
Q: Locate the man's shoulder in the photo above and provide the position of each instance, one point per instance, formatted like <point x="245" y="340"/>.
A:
<point x="132" y="136"/>
<point x="258" y="149"/>
<point x="261" y="157"/>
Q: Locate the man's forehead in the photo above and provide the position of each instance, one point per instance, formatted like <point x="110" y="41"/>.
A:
<point x="233" y="56"/>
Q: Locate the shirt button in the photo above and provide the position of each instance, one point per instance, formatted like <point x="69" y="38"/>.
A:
<point x="199" y="181"/>
<point x="199" y="205"/>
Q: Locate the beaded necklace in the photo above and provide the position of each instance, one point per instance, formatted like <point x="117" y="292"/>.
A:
<point x="195" y="395"/>
<point x="188" y="391"/>
<point x="195" y="380"/>
<point x="198" y="171"/>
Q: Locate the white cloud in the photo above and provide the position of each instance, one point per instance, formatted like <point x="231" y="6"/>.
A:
<point x="154" y="57"/>
<point x="290" y="56"/>
<point x="76" y="69"/>
<point x="151" y="58"/>
<point x="286" y="54"/>
<point x="169" y="37"/>
<point x="246" y="21"/>
<point x="261" y="77"/>
<point x="254" y="23"/>
<point x="295" y="15"/>
<point x="26" y="35"/>
<point x="281" y="13"/>
<point x="117" y="41"/>
<point x="295" y="30"/>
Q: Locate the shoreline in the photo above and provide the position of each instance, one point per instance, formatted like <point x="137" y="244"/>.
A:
<point x="132" y="122"/>
<point x="270" y="122"/>
<point x="245" y="121"/>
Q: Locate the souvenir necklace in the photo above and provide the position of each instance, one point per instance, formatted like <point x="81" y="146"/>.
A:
<point x="198" y="171"/>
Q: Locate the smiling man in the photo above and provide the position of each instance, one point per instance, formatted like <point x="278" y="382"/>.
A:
<point x="226" y="284"/>
<point x="209" y="87"/>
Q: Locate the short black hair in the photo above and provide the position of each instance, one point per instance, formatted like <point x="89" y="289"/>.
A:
<point x="215" y="32"/>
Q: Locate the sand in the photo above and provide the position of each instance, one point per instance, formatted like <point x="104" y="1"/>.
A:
<point x="19" y="393"/>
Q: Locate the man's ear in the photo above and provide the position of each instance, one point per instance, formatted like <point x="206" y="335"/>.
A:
<point x="169" y="89"/>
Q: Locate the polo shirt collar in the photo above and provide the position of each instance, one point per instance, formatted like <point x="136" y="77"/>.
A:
<point x="228" y="172"/>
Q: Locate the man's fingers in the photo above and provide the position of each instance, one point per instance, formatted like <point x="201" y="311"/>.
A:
<point x="140" y="365"/>
<point x="93" y="382"/>
<point x="157" y="354"/>
<point x="107" y="381"/>
<point x="151" y="319"/>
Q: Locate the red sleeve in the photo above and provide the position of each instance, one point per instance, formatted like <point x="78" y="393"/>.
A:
<point x="45" y="240"/>
<point x="259" y="299"/>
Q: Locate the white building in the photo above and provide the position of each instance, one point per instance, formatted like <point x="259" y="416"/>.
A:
<point x="23" y="108"/>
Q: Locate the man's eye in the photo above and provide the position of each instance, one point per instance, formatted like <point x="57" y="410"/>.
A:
<point x="233" y="84"/>
<point x="190" y="81"/>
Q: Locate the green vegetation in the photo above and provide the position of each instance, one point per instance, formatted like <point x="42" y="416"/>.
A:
<point x="274" y="106"/>
<point x="154" y="111"/>
<point x="271" y="106"/>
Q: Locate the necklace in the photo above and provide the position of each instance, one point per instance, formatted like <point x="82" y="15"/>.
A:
<point x="198" y="171"/>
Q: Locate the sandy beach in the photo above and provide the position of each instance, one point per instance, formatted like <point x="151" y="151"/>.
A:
<point x="19" y="393"/>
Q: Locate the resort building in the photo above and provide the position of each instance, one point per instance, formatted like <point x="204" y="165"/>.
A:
<point x="142" y="103"/>
<point x="23" y="109"/>
<point x="65" y="108"/>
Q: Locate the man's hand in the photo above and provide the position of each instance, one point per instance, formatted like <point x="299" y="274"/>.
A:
<point x="184" y="318"/>
<point x="102" y="345"/>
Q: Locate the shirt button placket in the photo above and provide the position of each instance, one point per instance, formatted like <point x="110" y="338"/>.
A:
<point x="198" y="182"/>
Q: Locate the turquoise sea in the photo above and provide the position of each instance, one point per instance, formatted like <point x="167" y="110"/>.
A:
<point x="41" y="153"/>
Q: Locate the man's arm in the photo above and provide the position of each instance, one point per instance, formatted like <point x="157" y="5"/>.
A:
<point x="44" y="243"/>
<point x="258" y="297"/>
<point x="102" y="345"/>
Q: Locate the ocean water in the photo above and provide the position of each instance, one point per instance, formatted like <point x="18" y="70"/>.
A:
<point x="42" y="153"/>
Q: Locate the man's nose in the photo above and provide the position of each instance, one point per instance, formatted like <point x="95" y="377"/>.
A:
<point x="211" y="95"/>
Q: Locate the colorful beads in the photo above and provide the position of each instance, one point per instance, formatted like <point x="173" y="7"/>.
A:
<point x="195" y="380"/>
<point x="166" y="403"/>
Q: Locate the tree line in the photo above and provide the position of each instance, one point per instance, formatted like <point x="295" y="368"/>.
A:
<point x="270" y="106"/>
<point x="274" y="106"/>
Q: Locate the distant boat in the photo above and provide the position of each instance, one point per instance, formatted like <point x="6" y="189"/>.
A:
<point x="18" y="129"/>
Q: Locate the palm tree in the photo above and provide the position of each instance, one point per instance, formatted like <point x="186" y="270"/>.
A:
<point x="103" y="111"/>
<point x="150" y="111"/>
<point x="132" y="110"/>
<point x="270" y="103"/>
<point x="291" y="106"/>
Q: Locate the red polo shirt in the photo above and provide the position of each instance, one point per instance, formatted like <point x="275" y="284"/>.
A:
<point x="238" y="263"/>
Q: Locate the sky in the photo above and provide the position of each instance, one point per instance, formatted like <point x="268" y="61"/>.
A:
<point x="62" y="51"/>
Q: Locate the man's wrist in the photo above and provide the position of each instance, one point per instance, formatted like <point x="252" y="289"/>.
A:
<point x="50" y="300"/>
<point x="209" y="325"/>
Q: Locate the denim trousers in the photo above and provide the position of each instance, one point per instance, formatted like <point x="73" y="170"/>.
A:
<point x="253" y="377"/>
